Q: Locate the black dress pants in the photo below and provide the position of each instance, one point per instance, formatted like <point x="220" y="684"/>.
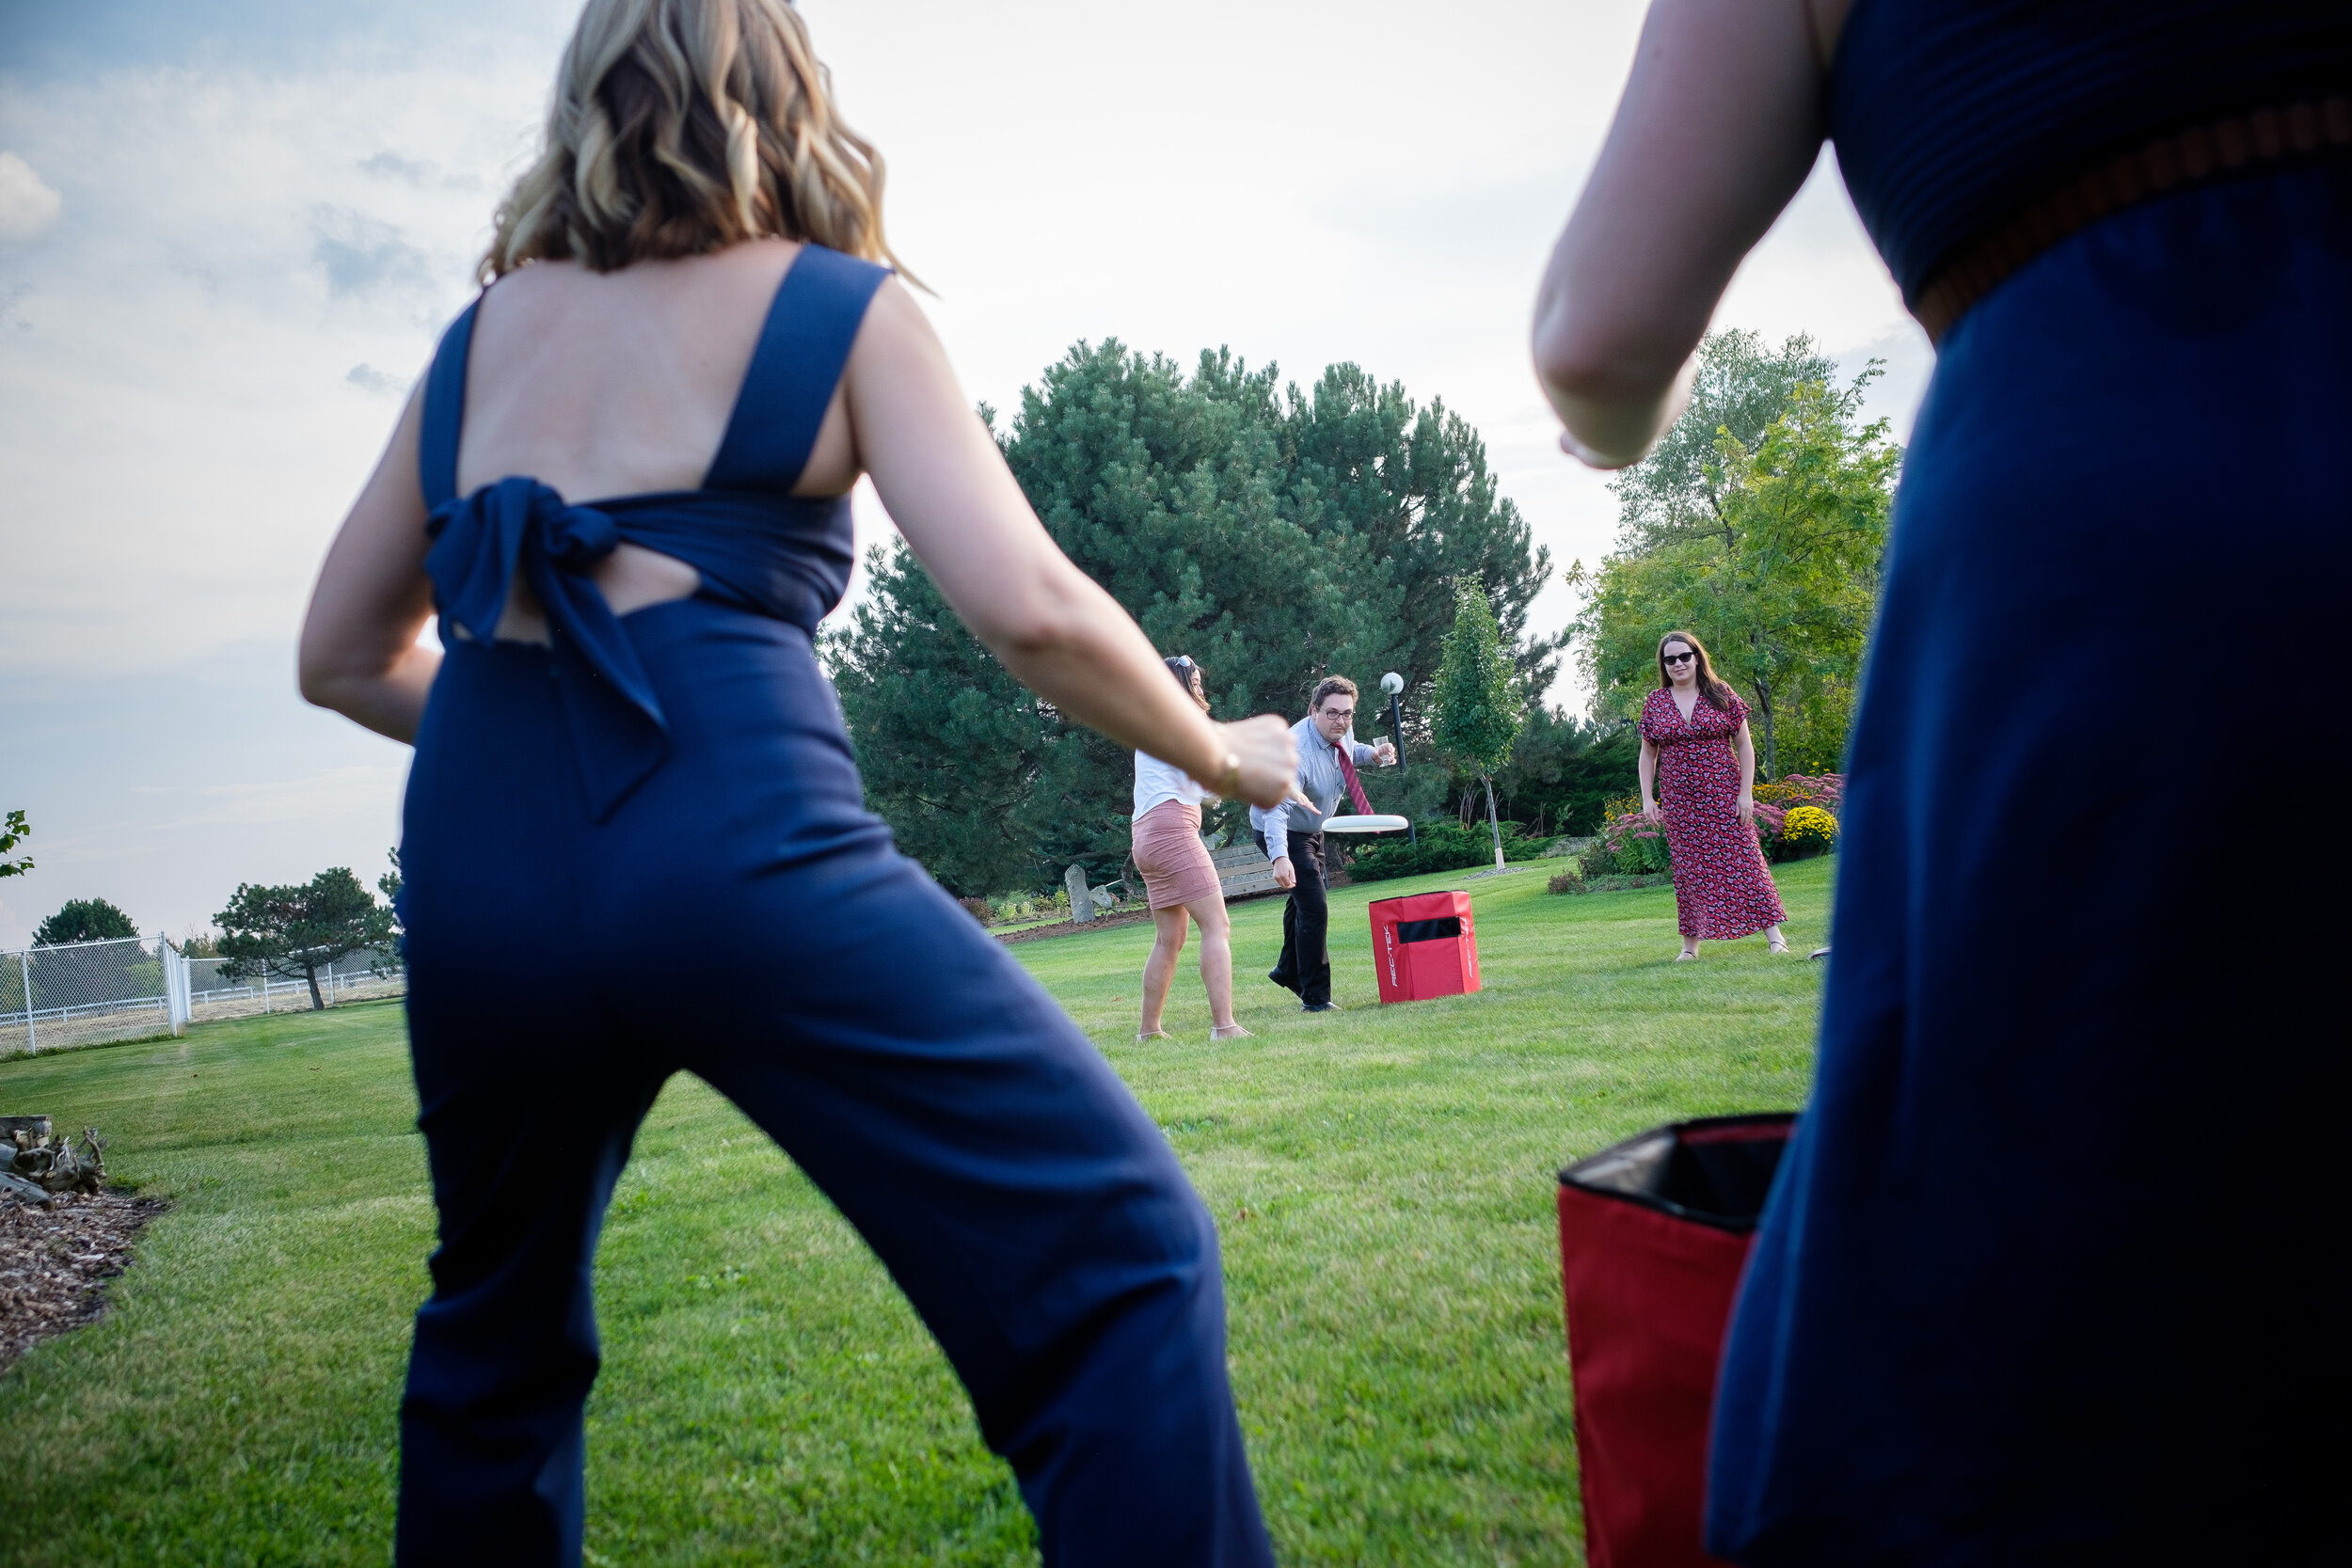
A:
<point x="1305" y="963"/>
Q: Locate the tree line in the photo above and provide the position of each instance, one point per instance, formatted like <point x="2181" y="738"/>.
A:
<point x="296" y="931"/>
<point x="1278" y="536"/>
<point x="1274" y="534"/>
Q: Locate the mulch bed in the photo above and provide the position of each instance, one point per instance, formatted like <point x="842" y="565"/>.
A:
<point x="55" y="1263"/>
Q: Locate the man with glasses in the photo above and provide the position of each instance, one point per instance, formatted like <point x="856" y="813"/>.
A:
<point x="1291" y="835"/>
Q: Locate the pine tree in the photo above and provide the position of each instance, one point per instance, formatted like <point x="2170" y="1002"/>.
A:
<point x="300" y="930"/>
<point x="85" y="920"/>
<point x="1274" y="534"/>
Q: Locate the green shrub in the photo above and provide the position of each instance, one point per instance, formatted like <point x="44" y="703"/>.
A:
<point x="1776" y="801"/>
<point x="1609" y="884"/>
<point x="1807" y="830"/>
<point x="1633" y="845"/>
<point x="1445" y="845"/>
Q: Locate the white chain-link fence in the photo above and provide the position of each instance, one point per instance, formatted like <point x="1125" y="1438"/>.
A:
<point x="90" y="992"/>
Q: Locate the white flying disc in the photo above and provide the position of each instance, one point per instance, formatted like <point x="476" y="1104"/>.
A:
<point x="1373" y="824"/>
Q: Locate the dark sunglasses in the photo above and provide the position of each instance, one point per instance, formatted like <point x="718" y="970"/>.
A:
<point x="1681" y="659"/>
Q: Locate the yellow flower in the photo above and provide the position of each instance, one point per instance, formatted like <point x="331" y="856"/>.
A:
<point x="1808" y="825"/>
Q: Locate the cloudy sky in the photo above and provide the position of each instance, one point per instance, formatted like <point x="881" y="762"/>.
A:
<point x="230" y="232"/>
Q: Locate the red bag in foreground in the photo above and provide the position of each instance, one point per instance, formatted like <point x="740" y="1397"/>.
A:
<point x="1653" y="1234"/>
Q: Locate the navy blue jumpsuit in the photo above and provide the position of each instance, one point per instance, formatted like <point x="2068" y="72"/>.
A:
<point x="673" y="791"/>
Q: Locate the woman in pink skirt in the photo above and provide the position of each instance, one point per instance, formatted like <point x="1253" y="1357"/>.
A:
<point x="1698" y="763"/>
<point x="1181" y="881"/>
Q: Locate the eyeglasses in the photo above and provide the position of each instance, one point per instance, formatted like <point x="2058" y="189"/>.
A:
<point x="1182" y="661"/>
<point x="1681" y="659"/>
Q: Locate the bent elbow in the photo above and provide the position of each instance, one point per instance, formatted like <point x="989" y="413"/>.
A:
<point x="1590" y="367"/>
<point x="327" y="682"/>
<point x="1029" y="638"/>
<point x="1571" y="366"/>
<point x="318" y="686"/>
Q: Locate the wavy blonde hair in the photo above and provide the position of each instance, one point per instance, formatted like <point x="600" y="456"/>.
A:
<point x="680" y="127"/>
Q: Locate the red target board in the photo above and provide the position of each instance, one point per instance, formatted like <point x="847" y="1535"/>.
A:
<point x="1425" y="945"/>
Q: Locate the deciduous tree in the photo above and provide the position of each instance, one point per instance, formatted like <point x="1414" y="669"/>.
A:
<point x="1479" y="707"/>
<point x="1677" y="493"/>
<point x="14" y="832"/>
<point x="1776" y="568"/>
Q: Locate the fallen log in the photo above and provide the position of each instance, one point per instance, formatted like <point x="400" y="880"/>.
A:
<point x="32" y="1158"/>
<point x="24" y="1191"/>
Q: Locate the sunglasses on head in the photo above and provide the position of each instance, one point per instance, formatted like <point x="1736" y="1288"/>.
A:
<point x="1182" y="661"/>
<point x="1681" y="659"/>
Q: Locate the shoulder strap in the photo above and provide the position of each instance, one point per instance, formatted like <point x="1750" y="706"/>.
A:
<point x="445" y="410"/>
<point x="810" y="328"/>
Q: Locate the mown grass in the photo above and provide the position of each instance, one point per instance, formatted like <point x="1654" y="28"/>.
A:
<point x="1382" y="1179"/>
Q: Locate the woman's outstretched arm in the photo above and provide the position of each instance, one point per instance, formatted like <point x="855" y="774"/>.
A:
<point x="1719" y="125"/>
<point x="947" y="486"/>
<point x="359" y="652"/>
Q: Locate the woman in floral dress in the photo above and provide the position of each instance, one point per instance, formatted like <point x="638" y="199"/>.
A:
<point x="1698" y="763"/>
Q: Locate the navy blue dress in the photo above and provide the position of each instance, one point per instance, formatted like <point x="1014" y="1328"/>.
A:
<point x="2055" y="1272"/>
<point x="672" y="793"/>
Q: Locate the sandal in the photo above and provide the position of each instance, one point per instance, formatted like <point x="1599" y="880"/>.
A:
<point x="1776" y="947"/>
<point x="1686" y="958"/>
<point x="1154" y="1034"/>
<point x="1229" y="1032"/>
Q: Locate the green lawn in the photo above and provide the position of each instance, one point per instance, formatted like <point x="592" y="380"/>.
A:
<point x="1383" y="1180"/>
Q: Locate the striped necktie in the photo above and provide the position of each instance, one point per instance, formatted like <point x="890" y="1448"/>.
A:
<point x="1355" y="784"/>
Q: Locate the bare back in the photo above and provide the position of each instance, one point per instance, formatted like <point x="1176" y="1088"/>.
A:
<point x="603" y="385"/>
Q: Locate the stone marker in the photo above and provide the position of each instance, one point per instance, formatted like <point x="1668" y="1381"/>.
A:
<point x="1081" y="906"/>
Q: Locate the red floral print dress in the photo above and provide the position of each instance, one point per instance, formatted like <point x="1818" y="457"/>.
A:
<point x="1722" y="889"/>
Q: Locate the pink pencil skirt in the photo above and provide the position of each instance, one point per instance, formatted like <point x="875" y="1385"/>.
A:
<point x="1175" y="864"/>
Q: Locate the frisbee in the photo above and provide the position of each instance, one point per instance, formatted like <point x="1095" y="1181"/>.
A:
<point x="1376" y="823"/>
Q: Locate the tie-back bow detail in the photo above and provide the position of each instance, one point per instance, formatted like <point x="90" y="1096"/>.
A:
<point x="618" y="733"/>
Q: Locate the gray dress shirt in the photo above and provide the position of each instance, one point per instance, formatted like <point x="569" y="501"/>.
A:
<point x="1319" y="779"/>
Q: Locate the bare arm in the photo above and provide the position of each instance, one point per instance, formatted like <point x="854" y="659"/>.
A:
<point x="1645" y="767"/>
<point x="359" y="652"/>
<point x="1719" y="125"/>
<point x="1745" y="744"/>
<point x="948" y="488"/>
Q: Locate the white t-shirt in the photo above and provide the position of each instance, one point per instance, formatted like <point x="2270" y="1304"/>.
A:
<point x="1157" y="781"/>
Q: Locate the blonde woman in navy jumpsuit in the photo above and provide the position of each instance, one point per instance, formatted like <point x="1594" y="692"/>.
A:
<point x="622" y="487"/>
